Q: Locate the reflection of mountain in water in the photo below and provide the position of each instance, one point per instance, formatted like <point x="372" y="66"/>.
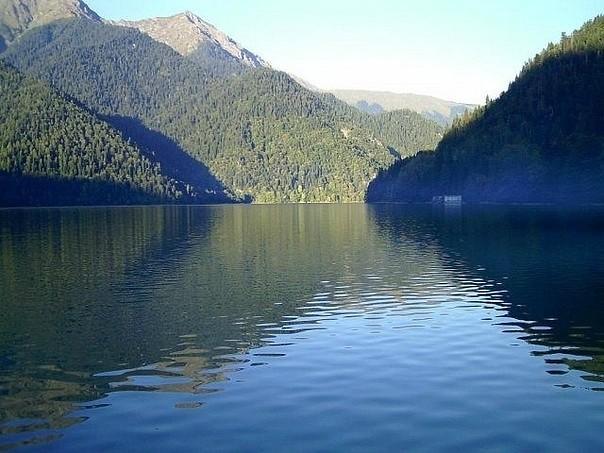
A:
<point x="250" y="281"/>
<point x="551" y="263"/>
<point x="171" y="299"/>
<point x="59" y="325"/>
<point x="179" y="299"/>
<point x="154" y="291"/>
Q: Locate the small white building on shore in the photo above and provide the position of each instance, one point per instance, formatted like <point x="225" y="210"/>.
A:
<point x="448" y="200"/>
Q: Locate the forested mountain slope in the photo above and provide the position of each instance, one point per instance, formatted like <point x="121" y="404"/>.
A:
<point x="53" y="152"/>
<point x="259" y="132"/>
<point x="541" y="141"/>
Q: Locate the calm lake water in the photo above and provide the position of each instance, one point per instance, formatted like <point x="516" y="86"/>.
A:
<point x="302" y="328"/>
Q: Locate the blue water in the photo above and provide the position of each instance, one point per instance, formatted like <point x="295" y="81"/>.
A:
<point x="302" y="328"/>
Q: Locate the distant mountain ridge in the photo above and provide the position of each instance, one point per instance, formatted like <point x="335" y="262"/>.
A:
<point x="375" y="102"/>
<point x="191" y="36"/>
<point x="187" y="33"/>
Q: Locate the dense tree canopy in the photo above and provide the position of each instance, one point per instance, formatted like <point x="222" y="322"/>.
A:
<point x="53" y="143"/>
<point x="258" y="131"/>
<point x="542" y="140"/>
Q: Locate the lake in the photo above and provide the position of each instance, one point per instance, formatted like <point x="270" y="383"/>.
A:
<point x="302" y="328"/>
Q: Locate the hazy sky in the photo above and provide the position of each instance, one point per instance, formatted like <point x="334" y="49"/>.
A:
<point x="460" y="50"/>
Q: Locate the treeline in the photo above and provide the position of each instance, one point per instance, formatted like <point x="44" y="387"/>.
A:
<point x="258" y="132"/>
<point x="541" y="141"/>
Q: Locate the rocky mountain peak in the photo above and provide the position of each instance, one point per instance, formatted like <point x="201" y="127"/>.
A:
<point x="186" y="33"/>
<point x="18" y="16"/>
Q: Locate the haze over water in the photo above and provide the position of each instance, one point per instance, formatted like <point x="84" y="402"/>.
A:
<point x="348" y="327"/>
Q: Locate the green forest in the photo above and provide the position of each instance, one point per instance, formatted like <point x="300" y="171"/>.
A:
<point x="109" y="115"/>
<point x="256" y="132"/>
<point x="541" y="141"/>
<point x="51" y="150"/>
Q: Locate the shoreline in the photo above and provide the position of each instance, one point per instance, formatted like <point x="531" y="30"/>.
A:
<point x="402" y="203"/>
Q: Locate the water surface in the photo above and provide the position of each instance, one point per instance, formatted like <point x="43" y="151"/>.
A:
<point x="306" y="328"/>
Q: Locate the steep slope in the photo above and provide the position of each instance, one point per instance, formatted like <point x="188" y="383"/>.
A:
<point x="188" y="34"/>
<point x="18" y="16"/>
<point x="259" y="132"/>
<point x="53" y="152"/>
<point x="375" y="102"/>
<point x="306" y="84"/>
<point x="404" y="131"/>
<point x="541" y="141"/>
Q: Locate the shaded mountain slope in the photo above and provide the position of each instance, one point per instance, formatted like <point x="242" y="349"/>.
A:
<point x="541" y="141"/>
<point x="258" y="131"/>
<point x="49" y="147"/>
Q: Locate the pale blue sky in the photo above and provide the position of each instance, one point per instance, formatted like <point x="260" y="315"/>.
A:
<point x="460" y="50"/>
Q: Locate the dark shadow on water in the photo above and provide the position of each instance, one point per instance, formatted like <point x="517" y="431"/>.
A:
<point x="77" y="251"/>
<point x="23" y="190"/>
<point x="549" y="260"/>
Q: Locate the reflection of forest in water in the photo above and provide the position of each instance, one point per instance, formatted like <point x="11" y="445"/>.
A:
<point x="167" y="291"/>
<point x="550" y="260"/>
<point x="181" y="294"/>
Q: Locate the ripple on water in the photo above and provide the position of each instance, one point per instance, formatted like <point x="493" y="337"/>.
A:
<point x="228" y="328"/>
